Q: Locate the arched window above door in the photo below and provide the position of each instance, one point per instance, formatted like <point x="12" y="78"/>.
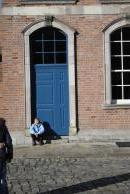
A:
<point x="48" y="46"/>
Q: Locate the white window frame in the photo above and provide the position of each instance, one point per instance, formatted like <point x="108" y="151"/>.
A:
<point x="107" y="59"/>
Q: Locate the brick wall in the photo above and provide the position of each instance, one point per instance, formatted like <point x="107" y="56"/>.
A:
<point x="89" y="64"/>
<point x="90" y="72"/>
<point x="12" y="71"/>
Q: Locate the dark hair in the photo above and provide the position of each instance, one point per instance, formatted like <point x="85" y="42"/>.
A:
<point x="2" y="125"/>
<point x="2" y="122"/>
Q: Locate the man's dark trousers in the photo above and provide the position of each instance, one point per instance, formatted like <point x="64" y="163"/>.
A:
<point x="3" y="182"/>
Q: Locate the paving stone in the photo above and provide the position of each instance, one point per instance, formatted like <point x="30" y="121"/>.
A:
<point x="90" y="169"/>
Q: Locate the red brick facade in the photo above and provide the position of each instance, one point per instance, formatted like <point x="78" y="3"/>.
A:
<point x="90" y="74"/>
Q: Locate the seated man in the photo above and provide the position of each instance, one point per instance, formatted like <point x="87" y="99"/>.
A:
<point x="36" y="131"/>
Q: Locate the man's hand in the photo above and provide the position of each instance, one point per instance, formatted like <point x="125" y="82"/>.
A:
<point x="36" y="134"/>
<point x="2" y="145"/>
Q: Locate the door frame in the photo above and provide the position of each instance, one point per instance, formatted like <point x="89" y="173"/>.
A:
<point x="70" y="32"/>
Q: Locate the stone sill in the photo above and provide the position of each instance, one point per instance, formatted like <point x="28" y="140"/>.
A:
<point x="116" y="106"/>
<point x="114" y="1"/>
<point x="56" y="2"/>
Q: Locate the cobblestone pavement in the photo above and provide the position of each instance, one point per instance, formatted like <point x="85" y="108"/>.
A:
<point x="90" y="168"/>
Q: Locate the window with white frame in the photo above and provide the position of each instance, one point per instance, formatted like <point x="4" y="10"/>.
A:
<point x="120" y="65"/>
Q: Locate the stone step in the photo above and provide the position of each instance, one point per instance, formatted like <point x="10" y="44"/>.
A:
<point x="65" y="139"/>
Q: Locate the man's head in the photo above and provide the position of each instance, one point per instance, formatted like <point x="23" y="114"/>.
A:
<point x="36" y="121"/>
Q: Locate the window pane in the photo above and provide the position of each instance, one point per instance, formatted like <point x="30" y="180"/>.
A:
<point x="59" y="35"/>
<point x="116" y="35"/>
<point x="48" y="34"/>
<point x="60" y="57"/>
<point x="127" y="92"/>
<point x="126" y="78"/>
<point x="60" y="46"/>
<point x="50" y="42"/>
<point x="116" y="78"/>
<point x="115" y="48"/>
<point x="36" y="35"/>
<point x="126" y="33"/>
<point x="126" y="63"/>
<point x="48" y="46"/>
<point x="38" y="59"/>
<point x="37" y="46"/>
<point x="115" y="63"/>
<point x="49" y="58"/>
<point x="116" y="92"/>
<point x="126" y="48"/>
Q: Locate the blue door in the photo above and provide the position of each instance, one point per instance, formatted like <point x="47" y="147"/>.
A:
<point x="49" y="74"/>
<point x="52" y="96"/>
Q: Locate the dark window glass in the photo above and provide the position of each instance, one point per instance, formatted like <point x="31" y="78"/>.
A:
<point x="116" y="92"/>
<point x="116" y="35"/>
<point x="126" y="92"/>
<point x="59" y="35"/>
<point x="126" y="78"/>
<point x="126" y="62"/>
<point x="60" y="46"/>
<point x="37" y="46"/>
<point x="49" y="58"/>
<point x="116" y="78"/>
<point x="0" y="58"/>
<point x="126" y="33"/>
<point x="115" y="48"/>
<point x="0" y="55"/>
<point x="60" y="58"/>
<point x="38" y="58"/>
<point x="126" y="48"/>
<point x="37" y="35"/>
<point x="48" y="46"/>
<point x="115" y="63"/>
<point x="48" y="34"/>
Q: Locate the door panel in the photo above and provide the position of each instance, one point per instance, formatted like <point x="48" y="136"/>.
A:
<point x="48" y="95"/>
<point x="52" y="103"/>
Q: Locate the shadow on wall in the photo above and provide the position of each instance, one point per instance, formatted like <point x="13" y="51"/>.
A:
<point x="49" y="133"/>
<point x="90" y="185"/>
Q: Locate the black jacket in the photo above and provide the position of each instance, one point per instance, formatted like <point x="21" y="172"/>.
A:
<point x="6" y="153"/>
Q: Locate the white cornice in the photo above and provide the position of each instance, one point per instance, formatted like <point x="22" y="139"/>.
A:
<point x="64" y="10"/>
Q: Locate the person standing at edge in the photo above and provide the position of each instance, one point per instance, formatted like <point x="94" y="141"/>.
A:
<point x="6" y="155"/>
<point x="37" y="131"/>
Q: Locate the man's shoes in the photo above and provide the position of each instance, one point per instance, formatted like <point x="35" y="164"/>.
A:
<point x="33" y="143"/>
<point x="41" y="143"/>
